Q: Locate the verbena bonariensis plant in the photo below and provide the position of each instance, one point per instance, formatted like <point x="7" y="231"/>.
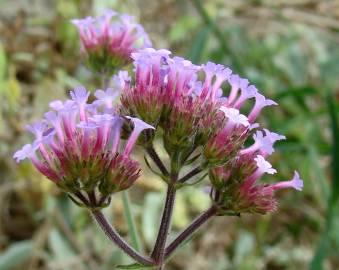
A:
<point x="84" y="148"/>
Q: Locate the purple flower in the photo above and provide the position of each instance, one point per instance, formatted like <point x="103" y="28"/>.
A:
<point x="37" y="129"/>
<point x="264" y="141"/>
<point x="296" y="183"/>
<point x="106" y="98"/>
<point x="139" y="126"/>
<point x="260" y="103"/>
<point x="247" y="92"/>
<point x="263" y="166"/>
<point x="234" y="118"/>
<point x="27" y="151"/>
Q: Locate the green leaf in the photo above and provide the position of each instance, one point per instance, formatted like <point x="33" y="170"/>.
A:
<point x="2" y="63"/>
<point x="150" y="217"/>
<point x="335" y="148"/>
<point x="15" y="254"/>
<point x="181" y="28"/>
<point x="321" y="253"/>
<point x="134" y="266"/>
<point x="59" y="246"/>
<point x="199" y="45"/>
<point x="133" y="233"/>
<point x="244" y="246"/>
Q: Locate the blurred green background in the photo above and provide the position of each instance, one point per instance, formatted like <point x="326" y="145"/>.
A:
<point x="289" y="49"/>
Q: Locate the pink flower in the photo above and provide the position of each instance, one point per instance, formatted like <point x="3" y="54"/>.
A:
<point x="236" y="188"/>
<point x="109" y="40"/>
<point x="79" y="148"/>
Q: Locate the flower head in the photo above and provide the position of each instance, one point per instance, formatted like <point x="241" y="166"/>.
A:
<point x="185" y="100"/>
<point x="109" y="40"/>
<point x="188" y="103"/>
<point x="236" y="188"/>
<point x="80" y="149"/>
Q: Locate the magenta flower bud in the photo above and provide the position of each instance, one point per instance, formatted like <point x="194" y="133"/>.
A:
<point x="80" y="149"/>
<point x="109" y="40"/>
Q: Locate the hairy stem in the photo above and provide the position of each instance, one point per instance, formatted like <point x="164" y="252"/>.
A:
<point x="189" y="175"/>
<point x="158" y="252"/>
<point x="156" y="159"/>
<point x="190" y="229"/>
<point x="114" y="236"/>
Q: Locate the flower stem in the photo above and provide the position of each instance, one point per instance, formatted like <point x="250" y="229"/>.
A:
<point x="114" y="236"/>
<point x="156" y="159"/>
<point x="190" y="229"/>
<point x="190" y="174"/>
<point x="158" y="252"/>
<point x="130" y="221"/>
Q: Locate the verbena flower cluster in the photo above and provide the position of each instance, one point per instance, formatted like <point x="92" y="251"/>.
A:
<point x="187" y="102"/>
<point x="78" y="145"/>
<point x="108" y="40"/>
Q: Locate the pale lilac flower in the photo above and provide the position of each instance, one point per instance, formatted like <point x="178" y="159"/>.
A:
<point x="234" y="118"/>
<point x="139" y="126"/>
<point x="247" y="92"/>
<point x="263" y="166"/>
<point x="107" y="97"/>
<point x="37" y="129"/>
<point x="80" y="96"/>
<point x="296" y="183"/>
<point x="235" y="192"/>
<point x="260" y="103"/>
<point x="27" y="151"/>
<point x="264" y="141"/>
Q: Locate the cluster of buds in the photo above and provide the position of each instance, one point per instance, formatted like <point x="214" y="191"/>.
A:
<point x="108" y="40"/>
<point x="169" y="93"/>
<point x="78" y="147"/>
<point x="235" y="188"/>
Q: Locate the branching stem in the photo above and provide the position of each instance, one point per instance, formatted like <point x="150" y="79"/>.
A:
<point x="114" y="236"/>
<point x="189" y="175"/>
<point x="158" y="252"/>
<point x="190" y="229"/>
<point x="156" y="159"/>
